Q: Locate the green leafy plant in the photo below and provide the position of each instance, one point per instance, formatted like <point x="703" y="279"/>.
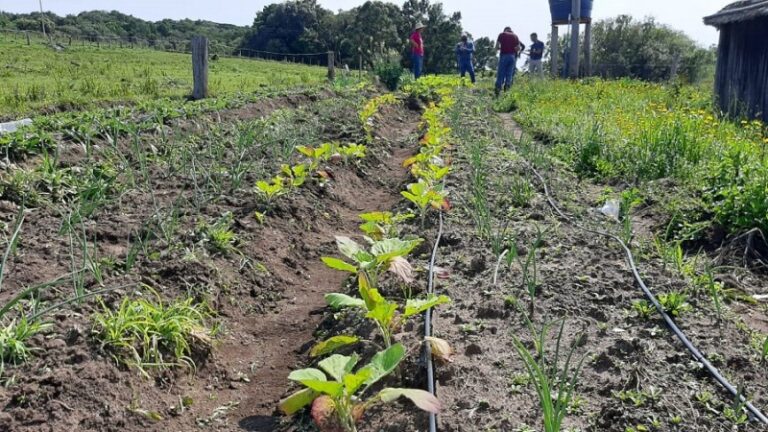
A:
<point x="13" y="340"/>
<point x="339" y="403"/>
<point x="424" y="196"/>
<point x="638" y="398"/>
<point x="643" y="309"/>
<point x="674" y="303"/>
<point x="381" y="225"/>
<point x="764" y="353"/>
<point x="218" y="236"/>
<point x="350" y="151"/>
<point x="389" y="72"/>
<point x="554" y="384"/>
<point x="296" y="175"/>
<point x="382" y="255"/>
<point x="316" y="155"/>
<point x="269" y="192"/>
<point x="388" y="315"/>
<point x="147" y="334"/>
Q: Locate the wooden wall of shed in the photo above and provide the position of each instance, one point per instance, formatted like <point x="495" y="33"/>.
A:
<point x="741" y="81"/>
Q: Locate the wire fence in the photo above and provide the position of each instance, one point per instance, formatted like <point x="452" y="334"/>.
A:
<point x="217" y="49"/>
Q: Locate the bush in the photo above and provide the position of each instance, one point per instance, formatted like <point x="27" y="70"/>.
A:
<point x="389" y="72"/>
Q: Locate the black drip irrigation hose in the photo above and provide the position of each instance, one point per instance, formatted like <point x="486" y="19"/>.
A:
<point x="428" y="325"/>
<point x="755" y="413"/>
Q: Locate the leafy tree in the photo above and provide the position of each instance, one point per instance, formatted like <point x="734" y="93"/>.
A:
<point x="485" y="53"/>
<point x="440" y="36"/>
<point x="293" y="26"/>
<point x="624" y="47"/>
<point x="374" y="29"/>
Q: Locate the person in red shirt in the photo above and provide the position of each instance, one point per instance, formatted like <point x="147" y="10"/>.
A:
<point x="508" y="45"/>
<point x="417" y="50"/>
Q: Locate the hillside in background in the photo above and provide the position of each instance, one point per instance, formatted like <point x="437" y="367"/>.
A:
<point x="105" y="25"/>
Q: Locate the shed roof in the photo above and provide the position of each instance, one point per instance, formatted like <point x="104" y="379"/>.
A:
<point x="739" y="11"/>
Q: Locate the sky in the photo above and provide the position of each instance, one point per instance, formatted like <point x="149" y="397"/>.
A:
<point x="479" y="17"/>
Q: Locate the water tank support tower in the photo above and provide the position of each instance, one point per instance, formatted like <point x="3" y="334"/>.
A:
<point x="573" y="13"/>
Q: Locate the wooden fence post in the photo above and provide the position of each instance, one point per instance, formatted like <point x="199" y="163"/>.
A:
<point x="331" y="67"/>
<point x="200" y="67"/>
<point x="27" y="33"/>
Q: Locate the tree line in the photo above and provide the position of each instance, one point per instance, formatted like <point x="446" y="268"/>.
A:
<point x="378" y="31"/>
<point x="103" y="25"/>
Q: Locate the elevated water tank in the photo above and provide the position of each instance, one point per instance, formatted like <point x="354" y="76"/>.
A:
<point x="561" y="11"/>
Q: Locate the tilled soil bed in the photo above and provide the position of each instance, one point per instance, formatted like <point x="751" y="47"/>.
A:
<point x="266" y="294"/>
<point x="636" y="376"/>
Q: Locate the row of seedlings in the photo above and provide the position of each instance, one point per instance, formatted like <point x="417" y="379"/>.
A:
<point x="336" y="389"/>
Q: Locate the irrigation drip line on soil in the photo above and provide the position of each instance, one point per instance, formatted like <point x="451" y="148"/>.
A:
<point x="428" y="323"/>
<point x="755" y="413"/>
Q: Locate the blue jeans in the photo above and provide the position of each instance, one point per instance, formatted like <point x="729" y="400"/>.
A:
<point x="417" y="62"/>
<point x="506" y="71"/>
<point x="465" y="66"/>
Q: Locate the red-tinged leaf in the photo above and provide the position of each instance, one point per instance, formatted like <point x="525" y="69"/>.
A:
<point x="422" y="399"/>
<point x="445" y="205"/>
<point x="441" y="350"/>
<point x="441" y="272"/>
<point x="401" y="267"/>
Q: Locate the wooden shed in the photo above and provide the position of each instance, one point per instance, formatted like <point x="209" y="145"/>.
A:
<point x="741" y="80"/>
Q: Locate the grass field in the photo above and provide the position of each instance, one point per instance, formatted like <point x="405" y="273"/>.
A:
<point x="37" y="77"/>
<point x="637" y="133"/>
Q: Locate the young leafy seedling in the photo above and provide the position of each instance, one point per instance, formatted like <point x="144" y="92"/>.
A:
<point x="383" y="255"/>
<point x="385" y="313"/>
<point x="340" y="402"/>
<point x="295" y="175"/>
<point x="423" y="195"/>
<point x="381" y="225"/>
<point x="270" y="191"/>
<point x="674" y="303"/>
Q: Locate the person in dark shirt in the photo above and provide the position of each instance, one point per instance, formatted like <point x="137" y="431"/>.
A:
<point x="508" y="45"/>
<point x="464" y="50"/>
<point x="535" y="55"/>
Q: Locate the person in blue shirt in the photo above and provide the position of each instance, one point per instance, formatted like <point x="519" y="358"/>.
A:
<point x="464" y="50"/>
<point x="535" y="55"/>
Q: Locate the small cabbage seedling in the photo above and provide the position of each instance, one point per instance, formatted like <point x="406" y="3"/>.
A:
<point x="388" y="315"/>
<point x="356" y="151"/>
<point x="674" y="303"/>
<point x="387" y="254"/>
<point x="296" y="175"/>
<point x="316" y="155"/>
<point x="423" y="195"/>
<point x="381" y="225"/>
<point x="430" y="172"/>
<point x="270" y="191"/>
<point x="337" y="394"/>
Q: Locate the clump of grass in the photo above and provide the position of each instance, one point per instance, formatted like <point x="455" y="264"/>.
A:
<point x="147" y="334"/>
<point x="554" y="384"/>
<point x="675" y="303"/>
<point x="218" y="236"/>
<point x="13" y="340"/>
<point x="643" y="309"/>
